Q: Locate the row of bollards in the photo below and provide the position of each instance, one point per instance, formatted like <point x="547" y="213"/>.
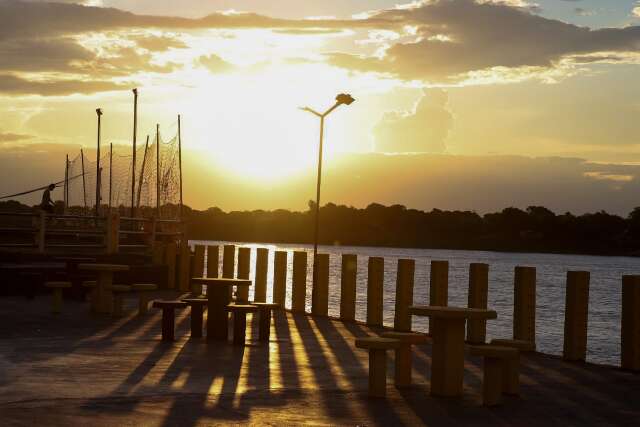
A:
<point x="524" y="308"/>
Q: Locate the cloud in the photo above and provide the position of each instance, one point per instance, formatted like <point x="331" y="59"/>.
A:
<point x="636" y="10"/>
<point x="214" y="64"/>
<point x="13" y="137"/>
<point x="425" y="129"/>
<point x="13" y="85"/>
<point x="158" y="43"/>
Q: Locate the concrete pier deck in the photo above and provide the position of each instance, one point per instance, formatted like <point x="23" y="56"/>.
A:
<point x="79" y="369"/>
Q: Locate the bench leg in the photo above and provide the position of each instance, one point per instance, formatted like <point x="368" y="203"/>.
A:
<point x="239" y="328"/>
<point x="403" y="366"/>
<point x="511" y="376"/>
<point x="93" y="299"/>
<point x="168" y="324"/>
<point x="196" y="321"/>
<point x="377" y="373"/>
<point x="143" y="304"/>
<point x="264" y="328"/>
<point x="118" y="301"/>
<point x="492" y="381"/>
<point x="56" y="306"/>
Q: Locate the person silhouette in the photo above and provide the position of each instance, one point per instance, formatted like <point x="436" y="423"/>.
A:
<point x="47" y="204"/>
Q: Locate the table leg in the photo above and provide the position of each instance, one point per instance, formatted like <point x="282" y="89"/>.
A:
<point x="217" y="316"/>
<point x="447" y="364"/>
<point x="196" y="321"/>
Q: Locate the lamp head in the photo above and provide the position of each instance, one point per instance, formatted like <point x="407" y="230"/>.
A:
<point x="344" y="98"/>
<point x="135" y="91"/>
<point x="99" y="111"/>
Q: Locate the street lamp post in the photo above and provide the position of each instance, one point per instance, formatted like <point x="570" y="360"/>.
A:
<point x="341" y="99"/>
<point x="98" y="183"/>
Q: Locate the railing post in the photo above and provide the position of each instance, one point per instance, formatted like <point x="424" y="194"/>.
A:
<point x="112" y="227"/>
<point x="280" y="278"/>
<point x="213" y="260"/>
<point x="184" y="273"/>
<point x="171" y="254"/>
<point x="404" y="295"/>
<point x="244" y="266"/>
<point x="154" y="230"/>
<point x="524" y="306"/>
<point x="42" y="232"/>
<point x="576" y="313"/>
<point x="631" y="323"/>
<point x="348" y="287"/>
<point x="228" y="261"/>
<point x="478" y="295"/>
<point x="320" y="291"/>
<point x="262" y="260"/>
<point x="198" y="268"/>
<point x="375" y="281"/>
<point x="299" y="282"/>
<point x="439" y="285"/>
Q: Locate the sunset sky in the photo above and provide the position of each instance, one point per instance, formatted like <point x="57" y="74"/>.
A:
<point x="460" y="104"/>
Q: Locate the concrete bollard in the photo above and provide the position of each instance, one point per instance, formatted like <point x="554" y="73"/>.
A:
<point x="320" y="291"/>
<point x="631" y="323"/>
<point x="213" y="260"/>
<point x="299" y="281"/>
<point x="348" y="287"/>
<point x="439" y="285"/>
<point x="171" y="254"/>
<point x="228" y="261"/>
<point x="575" y="316"/>
<point x="262" y="260"/>
<point x="244" y="263"/>
<point x="280" y="278"/>
<point x="375" y="282"/>
<point x="524" y="306"/>
<point x="478" y="294"/>
<point x="198" y="268"/>
<point x="404" y="295"/>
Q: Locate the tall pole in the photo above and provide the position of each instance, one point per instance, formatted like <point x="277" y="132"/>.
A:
<point x="110" y="173"/>
<point x="66" y="184"/>
<point x="84" y="183"/>
<point x="318" y="181"/>
<point x="133" y="161"/>
<point x="157" y="170"/>
<point x="180" y="164"/>
<point x="144" y="161"/>
<point x="99" y="113"/>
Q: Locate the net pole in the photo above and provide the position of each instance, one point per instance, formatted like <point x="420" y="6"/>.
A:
<point x="99" y="113"/>
<point x="180" y="164"/>
<point x="144" y="161"/>
<point x="65" y="194"/>
<point x="110" y="172"/>
<point x="84" y="182"/>
<point x="158" y="170"/>
<point x="133" y="162"/>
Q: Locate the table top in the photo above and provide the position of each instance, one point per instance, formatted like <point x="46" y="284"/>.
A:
<point x="452" y="312"/>
<point x="103" y="267"/>
<point x="220" y="281"/>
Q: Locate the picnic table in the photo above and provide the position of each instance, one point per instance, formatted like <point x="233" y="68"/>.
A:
<point x="219" y="297"/>
<point x="447" y="333"/>
<point x="103" y="294"/>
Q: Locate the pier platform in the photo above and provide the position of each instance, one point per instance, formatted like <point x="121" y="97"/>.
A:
<point x="81" y="369"/>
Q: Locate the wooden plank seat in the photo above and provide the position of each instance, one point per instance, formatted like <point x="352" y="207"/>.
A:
<point x="240" y="320"/>
<point x="118" y="298"/>
<point x="522" y="345"/>
<point x="403" y="360"/>
<point x="495" y="371"/>
<point x="142" y="291"/>
<point x="264" y="326"/>
<point x="377" y="347"/>
<point x="197" y="308"/>
<point x="57" y="287"/>
<point x="168" y="317"/>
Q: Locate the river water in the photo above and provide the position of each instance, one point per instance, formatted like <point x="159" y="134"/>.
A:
<point x="604" y="300"/>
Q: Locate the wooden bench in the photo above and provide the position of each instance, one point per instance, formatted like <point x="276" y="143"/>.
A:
<point x="240" y="320"/>
<point x="511" y="375"/>
<point x="494" y="370"/>
<point x="377" y="362"/>
<point x="143" y="291"/>
<point x="118" y="298"/>
<point x="264" y="326"/>
<point x="403" y="354"/>
<point x="57" y="287"/>
<point x="93" y="294"/>
<point x="522" y="345"/>
<point x="168" y="317"/>
<point x="197" y="308"/>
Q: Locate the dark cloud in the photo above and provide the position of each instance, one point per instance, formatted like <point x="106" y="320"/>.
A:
<point x="42" y="54"/>
<point x="13" y="85"/>
<point x="215" y="64"/>
<point x="423" y="130"/>
<point x="13" y="137"/>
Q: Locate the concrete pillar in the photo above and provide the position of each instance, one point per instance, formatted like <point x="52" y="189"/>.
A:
<point x="439" y="285"/>
<point x="171" y="255"/>
<point x="213" y="259"/>
<point x="113" y="233"/>
<point x="404" y="295"/>
<point x="348" y="287"/>
<point x="198" y="268"/>
<point x="524" y="307"/>
<point x="478" y="294"/>
<point x="575" y="316"/>
<point x="631" y="323"/>
<point x="228" y="261"/>
<point x="299" y="281"/>
<point x="320" y="291"/>
<point x="184" y="274"/>
<point x="375" y="282"/>
<point x="244" y="262"/>
<point x="280" y="278"/>
<point x="262" y="260"/>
